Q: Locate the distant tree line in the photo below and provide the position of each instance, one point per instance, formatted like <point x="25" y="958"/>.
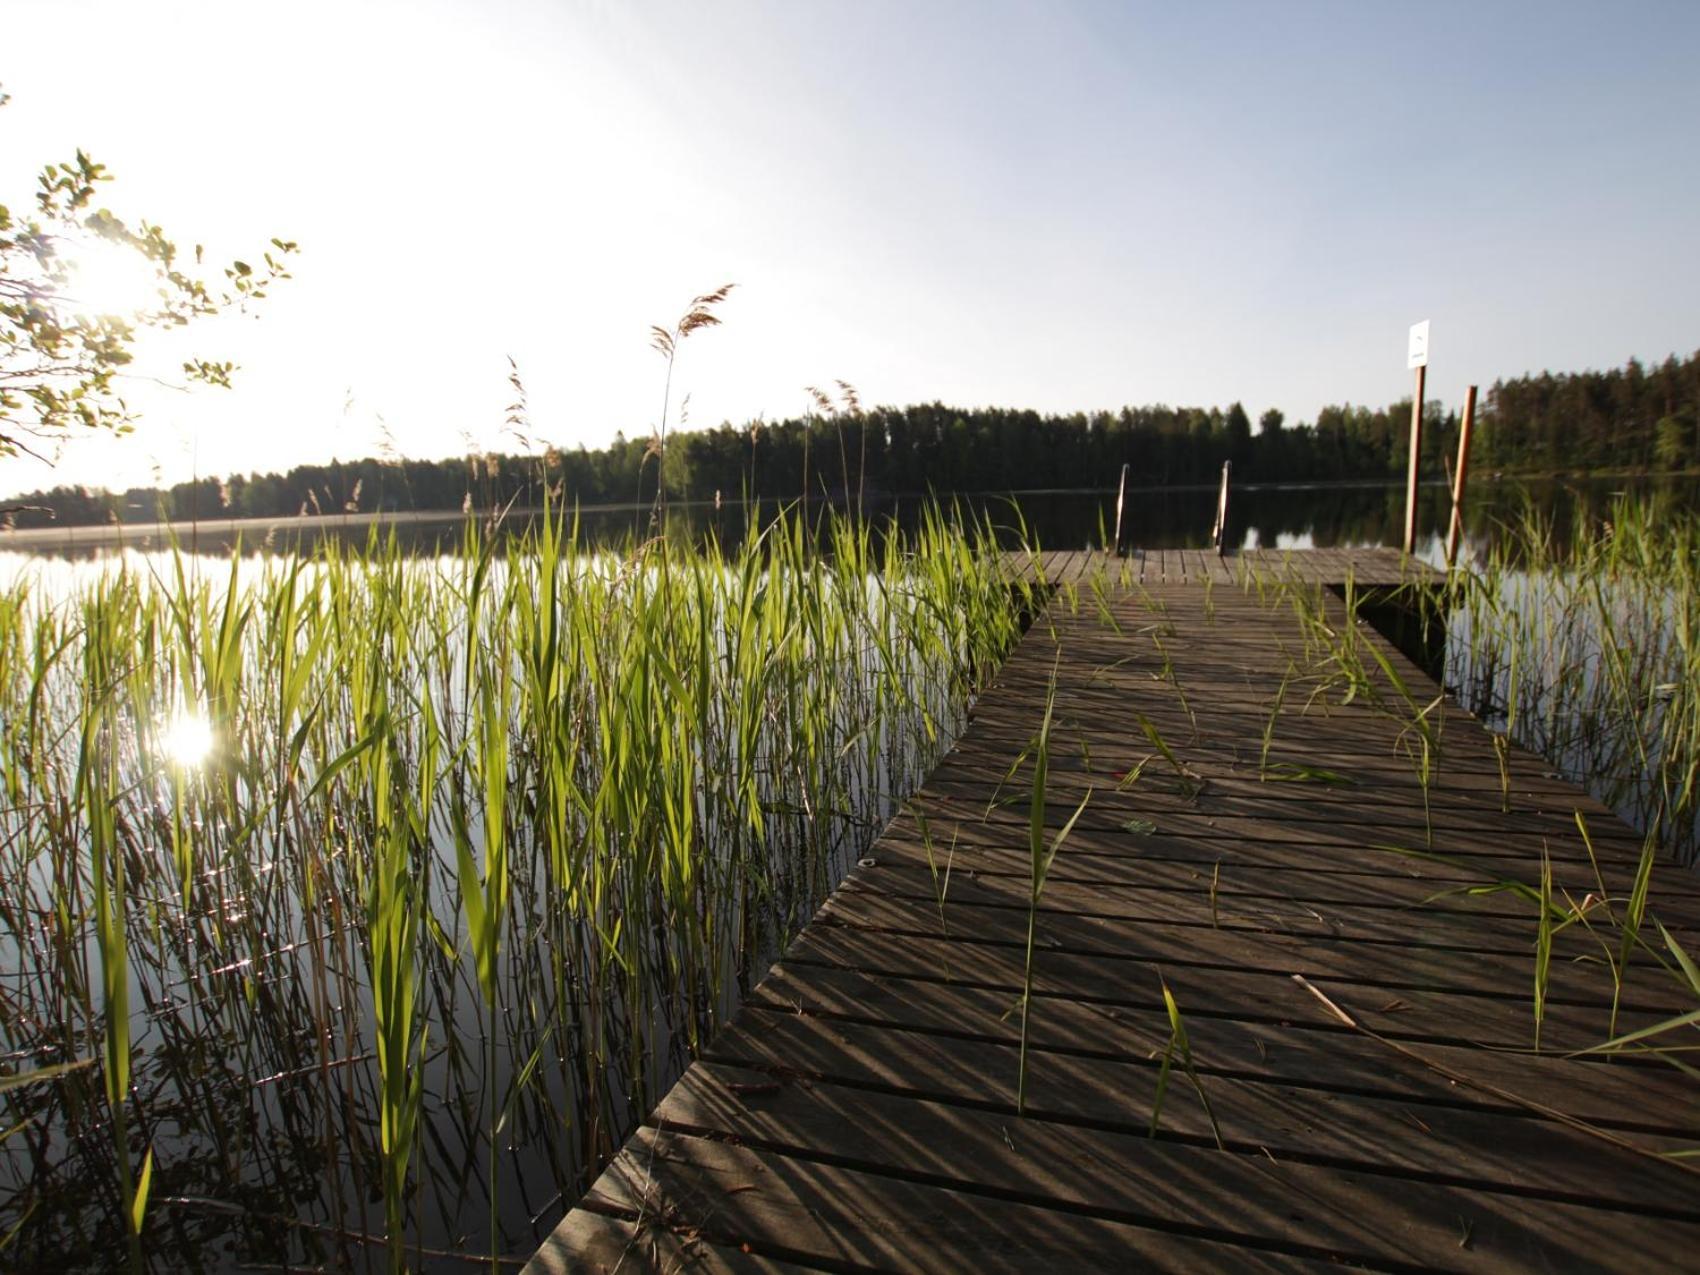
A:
<point x="1627" y="418"/>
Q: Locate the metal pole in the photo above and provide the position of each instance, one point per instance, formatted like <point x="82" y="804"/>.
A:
<point x="1121" y="495"/>
<point x="1411" y="469"/>
<point x="1219" y="532"/>
<point x="1455" y="532"/>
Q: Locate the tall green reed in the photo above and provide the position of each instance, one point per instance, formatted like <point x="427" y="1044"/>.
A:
<point x="1587" y="651"/>
<point x="1040" y="858"/>
<point x="557" y="803"/>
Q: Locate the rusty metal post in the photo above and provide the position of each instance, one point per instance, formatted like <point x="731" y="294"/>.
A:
<point x="1220" y="530"/>
<point x="1121" y="496"/>
<point x="1455" y="531"/>
<point x="1416" y="456"/>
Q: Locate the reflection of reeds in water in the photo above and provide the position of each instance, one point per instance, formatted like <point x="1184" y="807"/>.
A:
<point x="1587" y="651"/>
<point x="486" y="846"/>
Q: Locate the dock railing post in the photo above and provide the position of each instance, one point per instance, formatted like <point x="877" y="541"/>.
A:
<point x="1218" y="533"/>
<point x="1416" y="456"/>
<point x="1455" y="529"/>
<point x="1121" y="496"/>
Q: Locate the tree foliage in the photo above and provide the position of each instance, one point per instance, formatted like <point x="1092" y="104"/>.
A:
<point x="839" y="458"/>
<point x="840" y="451"/>
<point x="61" y="360"/>
<point x="1633" y="417"/>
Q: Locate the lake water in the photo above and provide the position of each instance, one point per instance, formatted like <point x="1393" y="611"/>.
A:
<point x="1270" y="517"/>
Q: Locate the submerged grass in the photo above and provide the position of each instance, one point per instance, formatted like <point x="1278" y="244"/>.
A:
<point x="482" y="850"/>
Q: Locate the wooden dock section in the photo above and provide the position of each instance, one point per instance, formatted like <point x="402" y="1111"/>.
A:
<point x="1356" y="979"/>
<point x="1369" y="566"/>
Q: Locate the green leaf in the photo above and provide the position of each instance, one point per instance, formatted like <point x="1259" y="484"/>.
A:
<point x="1682" y="957"/>
<point x="1062" y="836"/>
<point x="1670" y="1024"/>
<point x="1139" y="827"/>
<point x="139" y="1205"/>
<point x="440" y="937"/>
<point x="42" y="1074"/>
<point x="1296" y="773"/>
<point x="7" y="1134"/>
<point x="331" y="771"/>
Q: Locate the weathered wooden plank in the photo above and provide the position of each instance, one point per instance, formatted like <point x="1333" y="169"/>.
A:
<point x="1451" y="827"/>
<point x="1212" y="783"/>
<point x="968" y="803"/>
<point x="1429" y="995"/>
<point x="588" y="1243"/>
<point x="1419" y="1141"/>
<point x="1303" y="847"/>
<point x="1212" y="787"/>
<point x="1144" y="863"/>
<point x="1104" y="918"/>
<point x="1071" y="912"/>
<point x="1272" y="821"/>
<point x="1205" y="716"/>
<point x="1352" y="1217"/>
<point x="1320" y="1053"/>
<point x="1194" y="894"/>
<point x="1059" y="564"/>
<point x="1128" y="765"/>
<point x="849" y="1218"/>
<point x="1332" y="566"/>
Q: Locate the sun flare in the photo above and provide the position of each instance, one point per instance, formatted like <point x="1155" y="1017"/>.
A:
<point x="109" y="278"/>
<point x="186" y="739"/>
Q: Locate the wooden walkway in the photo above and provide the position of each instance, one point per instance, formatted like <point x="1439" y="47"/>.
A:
<point x="1388" y="1111"/>
<point x="1373" y="567"/>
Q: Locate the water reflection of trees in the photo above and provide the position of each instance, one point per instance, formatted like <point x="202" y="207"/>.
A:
<point x="1261" y="516"/>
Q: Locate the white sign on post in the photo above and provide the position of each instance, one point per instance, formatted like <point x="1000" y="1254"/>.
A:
<point x="1416" y="354"/>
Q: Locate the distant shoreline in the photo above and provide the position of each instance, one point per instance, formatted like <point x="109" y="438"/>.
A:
<point x="255" y="532"/>
<point x="183" y="531"/>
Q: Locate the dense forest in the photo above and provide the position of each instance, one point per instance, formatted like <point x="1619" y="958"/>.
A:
<point x="1627" y="418"/>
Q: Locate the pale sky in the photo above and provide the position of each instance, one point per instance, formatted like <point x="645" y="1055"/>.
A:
<point x="1046" y="205"/>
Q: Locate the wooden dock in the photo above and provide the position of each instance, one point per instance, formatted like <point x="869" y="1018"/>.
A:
<point x="1372" y="567"/>
<point x="1357" y="997"/>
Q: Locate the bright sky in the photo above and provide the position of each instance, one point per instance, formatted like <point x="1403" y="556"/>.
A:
<point x="1048" y="205"/>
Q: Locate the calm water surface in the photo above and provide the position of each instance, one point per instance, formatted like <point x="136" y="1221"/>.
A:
<point x="1268" y="517"/>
